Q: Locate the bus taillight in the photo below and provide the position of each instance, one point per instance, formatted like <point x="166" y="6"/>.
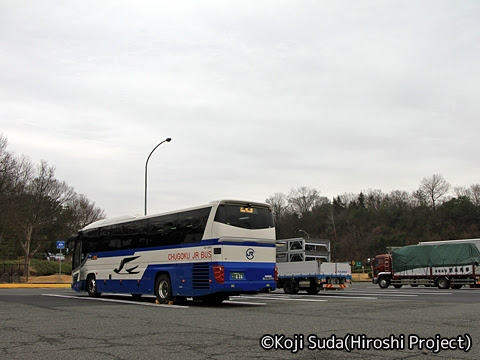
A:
<point x="275" y="274"/>
<point x="219" y="273"/>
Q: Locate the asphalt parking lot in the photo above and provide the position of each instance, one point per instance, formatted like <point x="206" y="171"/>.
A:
<point x="407" y="323"/>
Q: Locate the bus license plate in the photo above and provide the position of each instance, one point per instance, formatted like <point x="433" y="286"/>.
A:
<point x="237" y="275"/>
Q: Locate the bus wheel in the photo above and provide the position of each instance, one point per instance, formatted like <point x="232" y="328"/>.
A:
<point x="163" y="289"/>
<point x="443" y="283"/>
<point x="92" y="286"/>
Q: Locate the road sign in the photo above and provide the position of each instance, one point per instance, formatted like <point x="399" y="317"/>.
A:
<point x="60" y="244"/>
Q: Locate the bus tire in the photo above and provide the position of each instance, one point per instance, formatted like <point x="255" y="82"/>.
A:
<point x="384" y="282"/>
<point x="92" y="286"/>
<point x="163" y="289"/>
<point x="443" y="283"/>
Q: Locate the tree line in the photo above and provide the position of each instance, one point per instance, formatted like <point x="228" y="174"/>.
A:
<point x="36" y="208"/>
<point x="362" y="225"/>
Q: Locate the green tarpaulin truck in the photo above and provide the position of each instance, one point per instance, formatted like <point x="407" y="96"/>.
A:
<point x="443" y="265"/>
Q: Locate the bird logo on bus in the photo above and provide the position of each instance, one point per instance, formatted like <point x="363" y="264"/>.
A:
<point x="123" y="263"/>
<point x="250" y="254"/>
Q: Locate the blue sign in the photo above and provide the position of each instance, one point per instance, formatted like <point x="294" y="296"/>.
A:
<point x="60" y="244"/>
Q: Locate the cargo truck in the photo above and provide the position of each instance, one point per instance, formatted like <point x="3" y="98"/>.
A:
<point x="445" y="265"/>
<point x="304" y="265"/>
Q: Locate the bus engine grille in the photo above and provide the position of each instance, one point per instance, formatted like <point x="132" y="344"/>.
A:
<point x="201" y="276"/>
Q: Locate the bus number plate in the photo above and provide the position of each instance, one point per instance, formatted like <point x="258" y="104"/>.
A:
<point x="237" y="275"/>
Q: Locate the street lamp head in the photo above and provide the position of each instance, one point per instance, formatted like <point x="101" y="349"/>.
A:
<point x="146" y="164"/>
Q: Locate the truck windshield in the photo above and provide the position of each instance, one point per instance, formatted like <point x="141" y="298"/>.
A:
<point x="379" y="261"/>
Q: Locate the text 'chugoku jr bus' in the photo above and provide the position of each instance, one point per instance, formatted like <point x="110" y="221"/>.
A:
<point x="208" y="252"/>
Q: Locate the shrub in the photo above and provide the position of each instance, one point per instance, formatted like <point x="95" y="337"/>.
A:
<point x="39" y="267"/>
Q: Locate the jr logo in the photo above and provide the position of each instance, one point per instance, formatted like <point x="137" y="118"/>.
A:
<point x="250" y="254"/>
<point x="125" y="261"/>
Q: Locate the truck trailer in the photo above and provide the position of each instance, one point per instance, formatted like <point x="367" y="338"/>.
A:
<point x="304" y="265"/>
<point x="444" y="265"/>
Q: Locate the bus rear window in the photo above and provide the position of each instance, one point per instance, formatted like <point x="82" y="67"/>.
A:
<point x="245" y="217"/>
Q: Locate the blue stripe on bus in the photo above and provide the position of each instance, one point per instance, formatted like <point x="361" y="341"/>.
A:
<point x="130" y="252"/>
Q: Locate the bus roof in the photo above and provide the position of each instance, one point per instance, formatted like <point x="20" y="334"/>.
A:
<point x="129" y="218"/>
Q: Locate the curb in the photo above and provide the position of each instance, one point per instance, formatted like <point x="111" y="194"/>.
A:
<point x="34" y="286"/>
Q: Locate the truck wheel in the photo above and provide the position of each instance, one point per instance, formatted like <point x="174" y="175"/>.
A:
<point x="289" y="287"/>
<point x="163" y="289"/>
<point x="92" y="286"/>
<point x="384" y="282"/>
<point x="397" y="286"/>
<point x="443" y="283"/>
<point x="313" y="289"/>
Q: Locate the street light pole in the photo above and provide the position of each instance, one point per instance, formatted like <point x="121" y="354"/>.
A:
<point x="308" y="236"/>
<point x="146" y="164"/>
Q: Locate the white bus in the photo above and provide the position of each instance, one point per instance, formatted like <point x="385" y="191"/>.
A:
<point x="208" y="252"/>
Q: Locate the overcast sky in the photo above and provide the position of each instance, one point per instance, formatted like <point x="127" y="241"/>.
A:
<point x="258" y="96"/>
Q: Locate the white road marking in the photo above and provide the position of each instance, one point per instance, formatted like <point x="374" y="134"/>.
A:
<point x="280" y="298"/>
<point x="243" y="303"/>
<point x="326" y="296"/>
<point x="117" y="301"/>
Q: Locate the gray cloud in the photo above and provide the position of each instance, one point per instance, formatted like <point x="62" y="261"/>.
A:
<point x="258" y="97"/>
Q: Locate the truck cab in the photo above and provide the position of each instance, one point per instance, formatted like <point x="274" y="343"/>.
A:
<point x="382" y="270"/>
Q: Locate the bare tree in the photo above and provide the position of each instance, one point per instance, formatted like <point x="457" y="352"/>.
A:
<point x="303" y="199"/>
<point x="279" y="205"/>
<point x="14" y="176"/>
<point x="43" y="201"/>
<point x="472" y="192"/>
<point x="85" y="211"/>
<point x="374" y="199"/>
<point x="399" y="198"/>
<point x="434" y="188"/>
<point x="475" y="194"/>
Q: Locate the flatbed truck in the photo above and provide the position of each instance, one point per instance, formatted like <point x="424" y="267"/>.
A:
<point x="303" y="264"/>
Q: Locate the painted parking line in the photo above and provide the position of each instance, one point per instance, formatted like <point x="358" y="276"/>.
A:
<point x="402" y="293"/>
<point x="331" y="296"/>
<point x="279" y="298"/>
<point x="389" y="295"/>
<point x="235" y="302"/>
<point x="117" y="301"/>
